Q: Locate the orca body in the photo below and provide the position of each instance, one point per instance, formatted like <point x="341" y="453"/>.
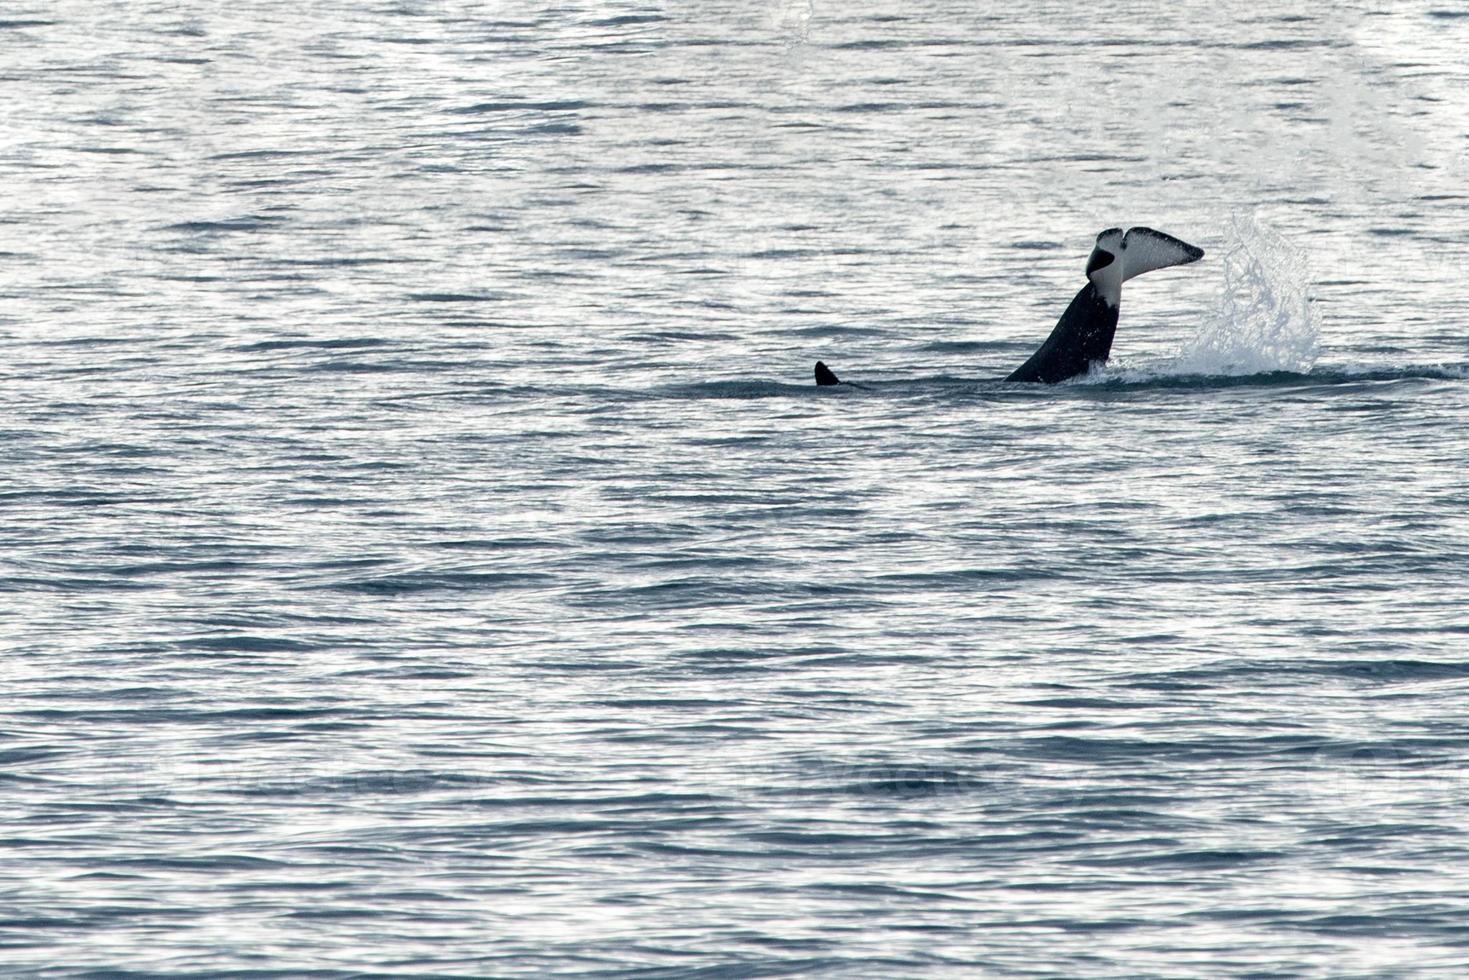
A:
<point x="1083" y="335"/>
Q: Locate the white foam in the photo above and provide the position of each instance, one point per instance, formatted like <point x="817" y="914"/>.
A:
<point x="1263" y="318"/>
<point x="793" y="21"/>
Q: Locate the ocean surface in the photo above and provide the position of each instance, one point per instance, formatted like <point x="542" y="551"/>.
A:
<point x="424" y="552"/>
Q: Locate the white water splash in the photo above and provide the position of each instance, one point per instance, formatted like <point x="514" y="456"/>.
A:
<point x="1263" y="320"/>
<point x="793" y="21"/>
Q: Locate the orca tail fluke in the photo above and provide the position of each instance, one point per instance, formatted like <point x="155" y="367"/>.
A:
<point x="825" y="375"/>
<point x="1083" y="335"/>
<point x="1144" y="250"/>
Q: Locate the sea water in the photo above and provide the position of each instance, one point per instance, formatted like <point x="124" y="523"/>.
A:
<point x="425" y="552"/>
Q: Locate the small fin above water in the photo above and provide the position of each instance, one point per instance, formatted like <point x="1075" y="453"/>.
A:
<point x="825" y="376"/>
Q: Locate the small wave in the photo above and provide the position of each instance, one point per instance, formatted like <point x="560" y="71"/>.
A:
<point x="629" y="19"/>
<point x="446" y="581"/>
<point x="487" y="297"/>
<point x="1167" y="376"/>
<point x="965" y="347"/>
<point x="308" y="343"/>
<point x="249" y="222"/>
<point x="741" y="389"/>
<point x="482" y="108"/>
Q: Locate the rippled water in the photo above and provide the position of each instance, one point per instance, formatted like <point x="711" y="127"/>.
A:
<point x="426" y="554"/>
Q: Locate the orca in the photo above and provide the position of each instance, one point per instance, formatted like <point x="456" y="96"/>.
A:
<point x="825" y="375"/>
<point x="1083" y="335"/>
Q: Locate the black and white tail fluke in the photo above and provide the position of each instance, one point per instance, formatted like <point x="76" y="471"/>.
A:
<point x="1144" y="250"/>
<point x="1083" y="335"/>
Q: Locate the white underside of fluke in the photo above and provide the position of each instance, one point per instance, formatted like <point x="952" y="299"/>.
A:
<point x="1134" y="252"/>
<point x="1144" y="250"/>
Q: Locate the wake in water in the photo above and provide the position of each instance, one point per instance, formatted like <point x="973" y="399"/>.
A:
<point x="1317" y="376"/>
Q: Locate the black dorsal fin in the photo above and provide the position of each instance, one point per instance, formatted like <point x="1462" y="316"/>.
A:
<point x="824" y="375"/>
